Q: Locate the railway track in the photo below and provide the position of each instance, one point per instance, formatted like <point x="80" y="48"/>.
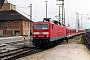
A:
<point x="87" y="38"/>
<point x="16" y="50"/>
<point x="18" y="53"/>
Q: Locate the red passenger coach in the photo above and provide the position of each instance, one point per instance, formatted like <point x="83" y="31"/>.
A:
<point x="47" y="32"/>
<point x="70" y="32"/>
<point x="80" y="31"/>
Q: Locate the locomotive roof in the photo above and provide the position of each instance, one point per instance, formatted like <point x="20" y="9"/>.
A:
<point x="44" y="22"/>
<point x="47" y="23"/>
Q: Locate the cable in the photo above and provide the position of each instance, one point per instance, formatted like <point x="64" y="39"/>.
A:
<point x="40" y="7"/>
<point x="26" y="13"/>
<point x="23" y="12"/>
<point x="33" y="10"/>
<point x="36" y="4"/>
<point x="21" y="7"/>
<point x="39" y="12"/>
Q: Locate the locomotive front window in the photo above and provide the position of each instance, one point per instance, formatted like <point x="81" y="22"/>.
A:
<point x="37" y="26"/>
<point x="40" y="26"/>
<point x="44" y="26"/>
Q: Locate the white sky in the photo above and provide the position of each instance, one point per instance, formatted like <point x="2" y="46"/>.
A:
<point x="71" y="7"/>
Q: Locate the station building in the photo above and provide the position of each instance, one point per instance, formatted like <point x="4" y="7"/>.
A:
<point x="12" y="23"/>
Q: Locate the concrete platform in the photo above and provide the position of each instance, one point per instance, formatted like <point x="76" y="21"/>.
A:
<point x="62" y="52"/>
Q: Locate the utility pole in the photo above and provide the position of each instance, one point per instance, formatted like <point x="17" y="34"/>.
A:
<point x="64" y="15"/>
<point x="62" y="11"/>
<point x="77" y="20"/>
<point x="30" y="22"/>
<point x="59" y="13"/>
<point x="81" y="20"/>
<point x="46" y="8"/>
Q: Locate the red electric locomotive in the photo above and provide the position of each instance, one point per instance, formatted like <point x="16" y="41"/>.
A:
<point x="46" y="33"/>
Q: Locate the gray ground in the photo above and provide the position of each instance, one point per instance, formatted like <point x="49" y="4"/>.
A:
<point x="62" y="52"/>
<point x="71" y="51"/>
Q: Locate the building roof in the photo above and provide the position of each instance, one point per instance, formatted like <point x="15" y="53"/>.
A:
<point x="11" y="15"/>
<point x="1" y="3"/>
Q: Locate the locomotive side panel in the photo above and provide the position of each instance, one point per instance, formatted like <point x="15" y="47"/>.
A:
<point x="53" y="32"/>
<point x="58" y="32"/>
<point x="61" y="32"/>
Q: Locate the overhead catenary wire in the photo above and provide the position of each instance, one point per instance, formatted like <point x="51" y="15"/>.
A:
<point x="23" y="12"/>
<point x="28" y="14"/>
<point x="40" y="7"/>
<point x="28" y="8"/>
<point x="34" y="11"/>
<point x="21" y="7"/>
<point x="35" y="4"/>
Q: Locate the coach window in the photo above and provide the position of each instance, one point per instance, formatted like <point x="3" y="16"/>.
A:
<point x="52" y="26"/>
<point x="70" y="31"/>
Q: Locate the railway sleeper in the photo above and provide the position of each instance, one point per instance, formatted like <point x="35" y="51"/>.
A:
<point x="11" y="54"/>
<point x="20" y="53"/>
<point x="10" y="58"/>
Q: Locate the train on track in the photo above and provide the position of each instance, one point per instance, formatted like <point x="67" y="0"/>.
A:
<point x="47" y="33"/>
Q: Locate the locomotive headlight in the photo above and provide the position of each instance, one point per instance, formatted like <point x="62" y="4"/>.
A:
<point x="34" y="36"/>
<point x="36" y="32"/>
<point x="47" y="36"/>
<point x="45" y="33"/>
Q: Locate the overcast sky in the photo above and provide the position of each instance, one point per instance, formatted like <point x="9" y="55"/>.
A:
<point x="71" y="7"/>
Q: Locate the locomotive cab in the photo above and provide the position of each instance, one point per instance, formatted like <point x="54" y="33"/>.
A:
<point x="41" y="33"/>
<point x="41" y="30"/>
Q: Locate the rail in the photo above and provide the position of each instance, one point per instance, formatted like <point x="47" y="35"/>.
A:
<point x="18" y="53"/>
<point x="86" y="38"/>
